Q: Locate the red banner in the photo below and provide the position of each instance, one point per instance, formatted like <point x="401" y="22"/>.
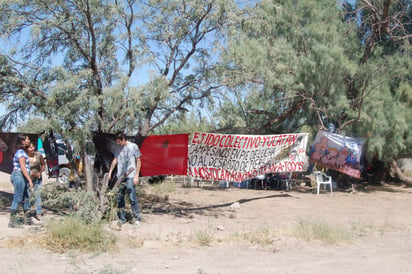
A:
<point x="164" y="155"/>
<point x="161" y="154"/>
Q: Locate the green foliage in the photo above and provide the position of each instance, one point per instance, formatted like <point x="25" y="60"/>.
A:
<point x="111" y="212"/>
<point x="186" y="122"/>
<point x="299" y="65"/>
<point x="180" y="66"/>
<point x="282" y="55"/>
<point x="87" y="211"/>
<point x="108" y="65"/>
<point x="34" y="125"/>
<point x="58" y="197"/>
<point x="81" y="205"/>
<point x="386" y="106"/>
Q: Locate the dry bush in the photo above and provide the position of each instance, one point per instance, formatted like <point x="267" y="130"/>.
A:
<point x="203" y="237"/>
<point x="263" y="236"/>
<point x="72" y="233"/>
<point x="163" y="188"/>
<point x="309" y="230"/>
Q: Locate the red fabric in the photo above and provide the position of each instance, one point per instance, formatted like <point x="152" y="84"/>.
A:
<point x="164" y="155"/>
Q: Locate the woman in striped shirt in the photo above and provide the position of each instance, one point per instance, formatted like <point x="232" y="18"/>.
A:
<point x="20" y="178"/>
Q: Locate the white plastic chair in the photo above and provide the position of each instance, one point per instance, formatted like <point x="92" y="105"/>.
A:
<point x="262" y="180"/>
<point x="322" y="178"/>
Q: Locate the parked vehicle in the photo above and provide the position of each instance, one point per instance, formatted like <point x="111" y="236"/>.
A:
<point x="64" y="163"/>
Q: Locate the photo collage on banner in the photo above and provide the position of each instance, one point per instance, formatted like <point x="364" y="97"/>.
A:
<point x="337" y="152"/>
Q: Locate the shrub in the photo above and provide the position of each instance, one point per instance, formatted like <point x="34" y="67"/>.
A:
<point x="58" y="197"/>
<point x="81" y="204"/>
<point x="203" y="237"/>
<point x="72" y="233"/>
<point x="262" y="236"/>
<point x="320" y="230"/>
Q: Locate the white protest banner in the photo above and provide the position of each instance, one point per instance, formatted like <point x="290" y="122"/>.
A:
<point x="235" y="158"/>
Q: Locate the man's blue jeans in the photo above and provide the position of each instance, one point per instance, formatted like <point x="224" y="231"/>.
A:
<point x="128" y="186"/>
<point x="37" y="194"/>
<point x="21" y="190"/>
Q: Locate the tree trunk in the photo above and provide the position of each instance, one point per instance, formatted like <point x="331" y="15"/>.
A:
<point x="87" y="169"/>
<point x="400" y="175"/>
<point x="101" y="193"/>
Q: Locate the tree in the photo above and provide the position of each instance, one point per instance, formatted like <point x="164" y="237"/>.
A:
<point x="81" y="59"/>
<point x="286" y="65"/>
<point x="382" y="23"/>
<point x="79" y="63"/>
<point x="181" y="37"/>
<point x="382" y="89"/>
<point x="34" y="125"/>
<point x="299" y="63"/>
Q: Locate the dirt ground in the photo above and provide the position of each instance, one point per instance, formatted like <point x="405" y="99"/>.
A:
<point x="212" y="230"/>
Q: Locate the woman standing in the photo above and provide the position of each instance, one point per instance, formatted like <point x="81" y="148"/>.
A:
<point x="37" y="166"/>
<point x="20" y="178"/>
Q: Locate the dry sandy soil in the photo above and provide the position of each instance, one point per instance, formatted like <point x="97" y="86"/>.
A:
<point x="198" y="231"/>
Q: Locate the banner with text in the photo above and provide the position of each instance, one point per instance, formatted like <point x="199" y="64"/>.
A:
<point x="337" y="152"/>
<point x="235" y="158"/>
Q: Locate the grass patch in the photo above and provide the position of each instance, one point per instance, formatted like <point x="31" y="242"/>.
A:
<point x="261" y="236"/>
<point x="132" y="241"/>
<point x="20" y="242"/>
<point x="362" y="229"/>
<point x="108" y="269"/>
<point x="164" y="187"/>
<point x="203" y="237"/>
<point x="5" y="200"/>
<point x="309" y="230"/>
<point x="71" y="233"/>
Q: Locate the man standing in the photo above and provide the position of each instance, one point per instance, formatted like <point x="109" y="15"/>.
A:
<point x="128" y="157"/>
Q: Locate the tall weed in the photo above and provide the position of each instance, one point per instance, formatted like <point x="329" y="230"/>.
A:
<point x="72" y="233"/>
<point x="263" y="236"/>
<point x="309" y="230"/>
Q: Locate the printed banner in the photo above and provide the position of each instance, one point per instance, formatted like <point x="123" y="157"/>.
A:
<point x="235" y="158"/>
<point x="8" y="147"/>
<point x="337" y="152"/>
<point x="161" y="154"/>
